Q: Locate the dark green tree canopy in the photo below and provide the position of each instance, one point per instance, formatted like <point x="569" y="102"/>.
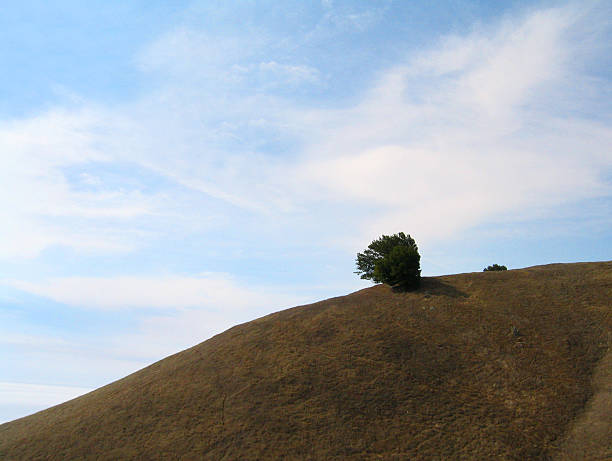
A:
<point x="495" y="267"/>
<point x="391" y="259"/>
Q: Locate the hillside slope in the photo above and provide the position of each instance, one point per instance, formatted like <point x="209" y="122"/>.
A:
<point x="494" y="365"/>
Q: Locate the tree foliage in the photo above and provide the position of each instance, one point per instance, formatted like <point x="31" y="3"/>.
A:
<point x="495" y="267"/>
<point x="391" y="259"/>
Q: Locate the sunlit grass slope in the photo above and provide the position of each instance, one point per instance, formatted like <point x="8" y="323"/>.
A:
<point x="494" y="365"/>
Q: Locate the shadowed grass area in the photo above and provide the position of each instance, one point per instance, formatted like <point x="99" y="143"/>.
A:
<point x="493" y="365"/>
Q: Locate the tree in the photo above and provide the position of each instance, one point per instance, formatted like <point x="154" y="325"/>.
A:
<point x="495" y="267"/>
<point x="391" y="259"/>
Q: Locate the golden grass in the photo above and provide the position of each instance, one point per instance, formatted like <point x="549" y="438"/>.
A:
<point x="494" y="365"/>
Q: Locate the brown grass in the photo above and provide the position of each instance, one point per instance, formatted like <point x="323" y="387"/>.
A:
<point x="494" y="365"/>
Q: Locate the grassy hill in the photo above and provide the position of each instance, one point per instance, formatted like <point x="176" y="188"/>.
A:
<point x="494" y="365"/>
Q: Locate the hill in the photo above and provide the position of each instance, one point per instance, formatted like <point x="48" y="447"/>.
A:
<point x="493" y="365"/>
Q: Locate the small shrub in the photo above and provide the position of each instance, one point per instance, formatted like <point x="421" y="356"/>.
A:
<point x="495" y="267"/>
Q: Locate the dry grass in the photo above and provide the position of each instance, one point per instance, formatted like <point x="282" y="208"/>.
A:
<point x="494" y="365"/>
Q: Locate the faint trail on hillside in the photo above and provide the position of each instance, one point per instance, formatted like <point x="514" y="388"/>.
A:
<point x="590" y="437"/>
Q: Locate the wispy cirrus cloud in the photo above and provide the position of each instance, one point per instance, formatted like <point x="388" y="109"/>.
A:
<point x="37" y="394"/>
<point x="462" y="130"/>
<point x="39" y="203"/>
<point x="462" y="134"/>
<point x="207" y="291"/>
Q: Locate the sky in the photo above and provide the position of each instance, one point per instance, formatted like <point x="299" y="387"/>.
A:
<point x="171" y="169"/>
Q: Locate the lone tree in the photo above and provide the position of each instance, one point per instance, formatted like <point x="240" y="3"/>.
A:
<point x="495" y="267"/>
<point x="391" y="259"/>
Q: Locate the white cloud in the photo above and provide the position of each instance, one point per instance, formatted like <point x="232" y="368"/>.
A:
<point x="196" y="54"/>
<point x="41" y="395"/>
<point x="293" y="74"/>
<point x="463" y="134"/>
<point x="19" y="339"/>
<point x="20" y="399"/>
<point x="217" y="62"/>
<point x="464" y="130"/>
<point x="212" y="291"/>
<point x="353" y="17"/>
<point x="498" y="70"/>
<point x="38" y="202"/>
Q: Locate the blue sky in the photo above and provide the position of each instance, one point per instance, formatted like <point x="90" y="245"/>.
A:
<point x="170" y="169"/>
